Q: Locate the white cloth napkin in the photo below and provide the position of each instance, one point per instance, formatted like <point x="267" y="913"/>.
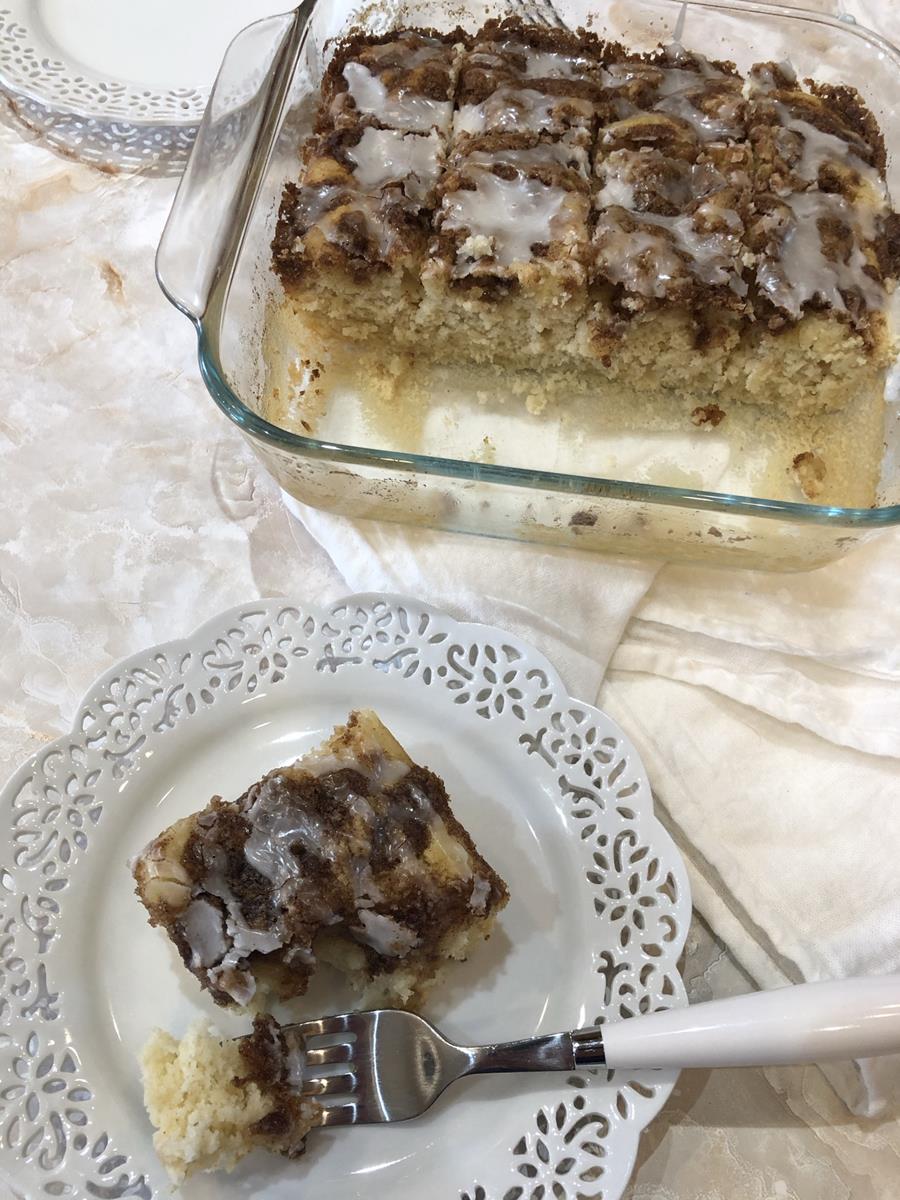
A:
<point x="571" y="606"/>
<point x="766" y="708"/>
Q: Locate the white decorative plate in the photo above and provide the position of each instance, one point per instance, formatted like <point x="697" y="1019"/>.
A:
<point x="554" y="795"/>
<point x="118" y="83"/>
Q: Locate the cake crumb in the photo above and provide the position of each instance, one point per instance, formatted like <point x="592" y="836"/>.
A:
<point x="214" y="1099"/>
<point x="583" y="518"/>
<point x="809" y="472"/>
<point x="709" y="415"/>
<point x="477" y="246"/>
<point x="486" y="452"/>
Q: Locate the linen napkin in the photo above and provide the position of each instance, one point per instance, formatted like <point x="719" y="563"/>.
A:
<point x="766" y="709"/>
<point x="572" y="606"/>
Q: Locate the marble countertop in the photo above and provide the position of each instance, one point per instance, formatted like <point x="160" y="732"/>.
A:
<point x="133" y="511"/>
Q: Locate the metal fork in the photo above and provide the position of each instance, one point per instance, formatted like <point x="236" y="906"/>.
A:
<point x="538" y="12"/>
<point x="389" y="1065"/>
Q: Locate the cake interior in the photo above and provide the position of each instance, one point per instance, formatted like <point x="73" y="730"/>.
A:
<point x="360" y="395"/>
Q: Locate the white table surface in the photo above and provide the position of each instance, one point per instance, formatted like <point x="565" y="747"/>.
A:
<point x="132" y="511"/>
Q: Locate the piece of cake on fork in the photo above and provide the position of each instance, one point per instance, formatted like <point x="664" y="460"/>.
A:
<point x="213" y="1099"/>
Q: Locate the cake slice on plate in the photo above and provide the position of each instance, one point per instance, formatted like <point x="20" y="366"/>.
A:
<point x="351" y="856"/>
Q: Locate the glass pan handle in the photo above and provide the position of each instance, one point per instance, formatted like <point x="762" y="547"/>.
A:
<point x="228" y="159"/>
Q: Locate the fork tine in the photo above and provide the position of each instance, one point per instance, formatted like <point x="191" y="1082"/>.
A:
<point x="539" y="12"/>
<point x="342" y="1053"/>
<point x="551" y="16"/>
<point x="344" y="1083"/>
<point x="323" y="1025"/>
<point x="338" y="1114"/>
<point x="532" y="13"/>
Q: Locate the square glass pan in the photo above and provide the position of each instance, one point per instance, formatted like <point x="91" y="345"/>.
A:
<point x="214" y="265"/>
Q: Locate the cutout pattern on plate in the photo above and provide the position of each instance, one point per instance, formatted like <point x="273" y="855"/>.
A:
<point x="100" y="121"/>
<point x="24" y="66"/>
<point x="583" y="1144"/>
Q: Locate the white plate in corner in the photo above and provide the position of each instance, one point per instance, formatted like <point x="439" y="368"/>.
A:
<point x="121" y="83"/>
<point x="553" y="794"/>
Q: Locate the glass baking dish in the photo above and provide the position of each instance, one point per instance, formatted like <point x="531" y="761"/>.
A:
<point x="214" y="265"/>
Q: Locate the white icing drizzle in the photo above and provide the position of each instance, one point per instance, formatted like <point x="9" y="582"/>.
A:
<point x="549" y="64"/>
<point x="666" y="80"/>
<point x="538" y="64"/>
<point x="677" y="88"/>
<point x="380" y="770"/>
<point x="412" y="54"/>
<point x="799" y="272"/>
<point x="762" y="78"/>
<point x="366" y="891"/>
<point x="617" y="190"/>
<point x="724" y="123"/>
<point x="514" y="214"/>
<point x="315" y="202"/>
<point x="294" y="1068"/>
<point x="385" y="935"/>
<point x="645" y="259"/>
<point x="617" y="75"/>
<point x="385" y="156"/>
<point x="405" y="110"/>
<point x="562" y="153"/>
<point x="250" y="941"/>
<point x="453" y="850"/>
<point x="819" y="147"/>
<point x="622" y="171"/>
<point x="518" y="110"/>
<point x="239" y="985"/>
<point x="205" y="934"/>
<point x="240" y="939"/>
<point x="481" y="889"/>
<point x="316" y="206"/>
<point x="276" y="828"/>
<point x="678" y="79"/>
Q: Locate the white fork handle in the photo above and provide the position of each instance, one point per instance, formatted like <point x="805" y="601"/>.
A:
<point x="809" y="1022"/>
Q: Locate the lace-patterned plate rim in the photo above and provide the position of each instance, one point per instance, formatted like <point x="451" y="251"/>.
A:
<point x="110" y="146"/>
<point x="87" y="115"/>
<point x="569" y="1138"/>
<point x="31" y="66"/>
